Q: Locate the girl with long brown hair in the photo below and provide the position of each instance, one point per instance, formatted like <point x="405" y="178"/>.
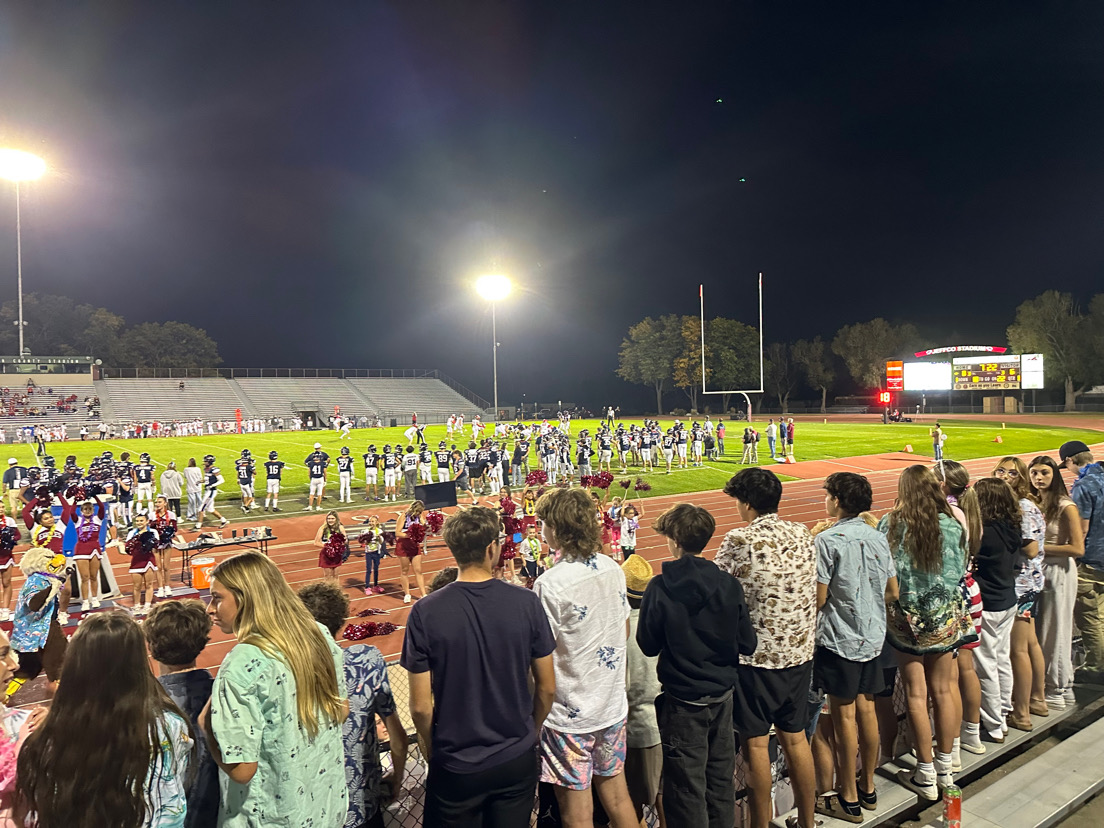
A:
<point x="408" y="547"/>
<point x="928" y="620"/>
<point x="995" y="570"/>
<point x="1065" y="543"/>
<point x="273" y="724"/>
<point x="113" y="748"/>
<point x="1028" y="666"/>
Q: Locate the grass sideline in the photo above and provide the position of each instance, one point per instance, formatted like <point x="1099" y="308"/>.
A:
<point x="967" y="439"/>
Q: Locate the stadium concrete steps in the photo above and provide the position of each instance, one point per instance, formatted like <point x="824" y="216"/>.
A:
<point x="430" y="397"/>
<point x="1059" y="790"/>
<point x="1044" y="791"/>
<point x="274" y="396"/>
<point x="107" y="411"/>
<point x="209" y="398"/>
<point x="370" y="405"/>
<point x="247" y="407"/>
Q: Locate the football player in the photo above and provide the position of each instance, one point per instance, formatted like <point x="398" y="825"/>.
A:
<point x="246" y="471"/>
<point x="371" y="473"/>
<point x="316" y="463"/>
<point x="143" y="473"/>
<point x="345" y="476"/>
<point x="274" y="470"/>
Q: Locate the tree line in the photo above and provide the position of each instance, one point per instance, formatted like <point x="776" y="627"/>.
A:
<point x="58" y="326"/>
<point x="665" y="353"/>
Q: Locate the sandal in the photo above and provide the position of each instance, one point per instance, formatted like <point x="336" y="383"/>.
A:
<point x="832" y="806"/>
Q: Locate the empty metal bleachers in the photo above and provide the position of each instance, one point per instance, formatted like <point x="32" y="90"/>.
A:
<point x="163" y="399"/>
<point x="275" y="396"/>
<point x="427" y="396"/>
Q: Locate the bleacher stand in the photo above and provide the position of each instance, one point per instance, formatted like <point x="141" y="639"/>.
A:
<point x="431" y="398"/>
<point x="273" y="397"/>
<point x="163" y="399"/>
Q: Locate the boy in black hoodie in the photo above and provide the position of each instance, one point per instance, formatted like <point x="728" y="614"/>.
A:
<point x="697" y="622"/>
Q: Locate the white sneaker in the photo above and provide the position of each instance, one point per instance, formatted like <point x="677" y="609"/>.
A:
<point x="96" y="602"/>
<point x="1069" y="696"/>
<point x="224" y="523"/>
<point x="406" y="599"/>
<point x="1056" y="701"/>
<point x="86" y="606"/>
<point x="924" y="787"/>
<point x="146" y="608"/>
<point x="4" y="614"/>
<point x="63" y="618"/>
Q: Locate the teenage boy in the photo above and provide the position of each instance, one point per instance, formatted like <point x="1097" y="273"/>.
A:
<point x="775" y="562"/>
<point x="479" y="638"/>
<point x="176" y="633"/>
<point x="856" y="578"/>
<point x="1088" y="610"/>
<point x="696" y="621"/>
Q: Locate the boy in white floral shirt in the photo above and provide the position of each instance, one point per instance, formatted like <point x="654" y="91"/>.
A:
<point x="775" y="562"/>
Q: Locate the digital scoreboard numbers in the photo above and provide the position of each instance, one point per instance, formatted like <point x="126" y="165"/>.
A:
<point x="992" y="373"/>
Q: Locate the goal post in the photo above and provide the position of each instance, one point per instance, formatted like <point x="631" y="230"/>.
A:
<point x="762" y="371"/>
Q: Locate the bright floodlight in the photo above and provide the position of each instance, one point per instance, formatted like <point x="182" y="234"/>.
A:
<point x="16" y="165"/>
<point x="493" y="287"/>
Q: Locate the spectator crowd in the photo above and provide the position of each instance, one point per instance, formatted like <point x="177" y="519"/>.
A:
<point x="607" y="688"/>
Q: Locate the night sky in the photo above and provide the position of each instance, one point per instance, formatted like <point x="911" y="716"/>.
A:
<point x="318" y="184"/>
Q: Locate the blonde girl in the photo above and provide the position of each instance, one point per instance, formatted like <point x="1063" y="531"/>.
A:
<point x="331" y="550"/>
<point x="273" y="724"/>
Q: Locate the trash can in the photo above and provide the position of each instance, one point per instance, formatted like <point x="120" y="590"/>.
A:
<point x="394" y="422"/>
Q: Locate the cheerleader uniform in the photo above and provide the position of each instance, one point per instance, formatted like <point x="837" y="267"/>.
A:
<point x="332" y="555"/>
<point x="528" y="514"/>
<point x="405" y="547"/>
<point x="49" y="537"/>
<point x="9" y="534"/>
<point x="141" y="547"/>
<point x="165" y="527"/>
<point x="88" y="532"/>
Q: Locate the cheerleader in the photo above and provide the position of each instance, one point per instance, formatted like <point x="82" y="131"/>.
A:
<point x="408" y="548"/>
<point x="9" y="537"/>
<point x="333" y="546"/>
<point x="87" y="552"/>
<point x="164" y="524"/>
<point x="375" y="547"/>
<point x="506" y="508"/>
<point x="141" y="543"/>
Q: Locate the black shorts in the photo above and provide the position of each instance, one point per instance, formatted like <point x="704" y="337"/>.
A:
<point x="845" y="679"/>
<point x="771" y="697"/>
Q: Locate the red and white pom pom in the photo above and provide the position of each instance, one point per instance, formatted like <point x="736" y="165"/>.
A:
<point x="536" y="478"/>
<point x="434" y="521"/>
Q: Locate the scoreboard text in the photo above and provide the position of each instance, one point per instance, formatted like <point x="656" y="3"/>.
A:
<point x="987" y="374"/>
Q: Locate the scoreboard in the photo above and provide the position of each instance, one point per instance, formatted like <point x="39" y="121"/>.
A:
<point x="989" y="373"/>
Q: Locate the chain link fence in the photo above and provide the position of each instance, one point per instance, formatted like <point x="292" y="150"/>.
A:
<point x="407" y="811"/>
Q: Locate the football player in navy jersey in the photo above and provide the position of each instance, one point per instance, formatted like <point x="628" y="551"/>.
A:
<point x="443" y="457"/>
<point x="494" y="468"/>
<point x="425" y="464"/>
<point x="274" y="469"/>
<point x="212" y="479"/>
<point x="605" y="450"/>
<point x="143" y="474"/>
<point x="371" y="473"/>
<point x="345" y="476"/>
<point x="246" y="470"/>
<point x="681" y="438"/>
<point x="316" y="463"/>
<point x="667" y="441"/>
<point x="391" y="462"/>
<point x="647" y="440"/>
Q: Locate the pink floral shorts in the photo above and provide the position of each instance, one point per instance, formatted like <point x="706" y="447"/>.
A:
<point x="571" y="759"/>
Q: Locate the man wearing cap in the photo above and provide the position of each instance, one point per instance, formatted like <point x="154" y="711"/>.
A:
<point x="13" y="483"/>
<point x="1088" y="610"/>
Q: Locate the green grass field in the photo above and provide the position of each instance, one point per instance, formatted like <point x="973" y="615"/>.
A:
<point x="966" y="439"/>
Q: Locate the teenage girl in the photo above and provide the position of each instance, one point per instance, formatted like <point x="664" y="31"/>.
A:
<point x="630" y="523"/>
<point x="141" y="545"/>
<point x="9" y="537"/>
<point x="87" y="553"/>
<point x="330" y="555"/>
<point x="408" y="552"/>
<point x="164" y="524"/>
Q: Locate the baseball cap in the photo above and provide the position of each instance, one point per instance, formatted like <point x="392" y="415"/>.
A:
<point x="12" y="461"/>
<point x="318" y="445"/>
<point x="1071" y="448"/>
<point x="638" y="572"/>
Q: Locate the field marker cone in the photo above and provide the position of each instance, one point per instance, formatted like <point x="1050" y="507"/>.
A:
<point x="998" y="439"/>
<point x="908" y="448"/>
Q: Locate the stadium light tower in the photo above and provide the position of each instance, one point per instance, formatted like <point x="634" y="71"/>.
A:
<point x="494" y="287"/>
<point x="17" y="166"/>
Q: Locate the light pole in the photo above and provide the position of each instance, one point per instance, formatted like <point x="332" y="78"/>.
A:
<point x="493" y="287"/>
<point x="16" y="166"/>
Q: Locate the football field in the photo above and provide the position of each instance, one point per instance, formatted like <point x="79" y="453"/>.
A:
<point x="967" y="439"/>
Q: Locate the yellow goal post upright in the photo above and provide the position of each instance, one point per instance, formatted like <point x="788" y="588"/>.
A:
<point x="741" y="391"/>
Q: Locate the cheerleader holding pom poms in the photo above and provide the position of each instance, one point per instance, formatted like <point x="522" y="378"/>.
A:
<point x="164" y="524"/>
<point x="334" y="545"/>
<point x="410" y="533"/>
<point x="9" y="537"/>
<point x="141" y="545"/>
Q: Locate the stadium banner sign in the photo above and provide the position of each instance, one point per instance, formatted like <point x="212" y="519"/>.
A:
<point x="962" y="349"/>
